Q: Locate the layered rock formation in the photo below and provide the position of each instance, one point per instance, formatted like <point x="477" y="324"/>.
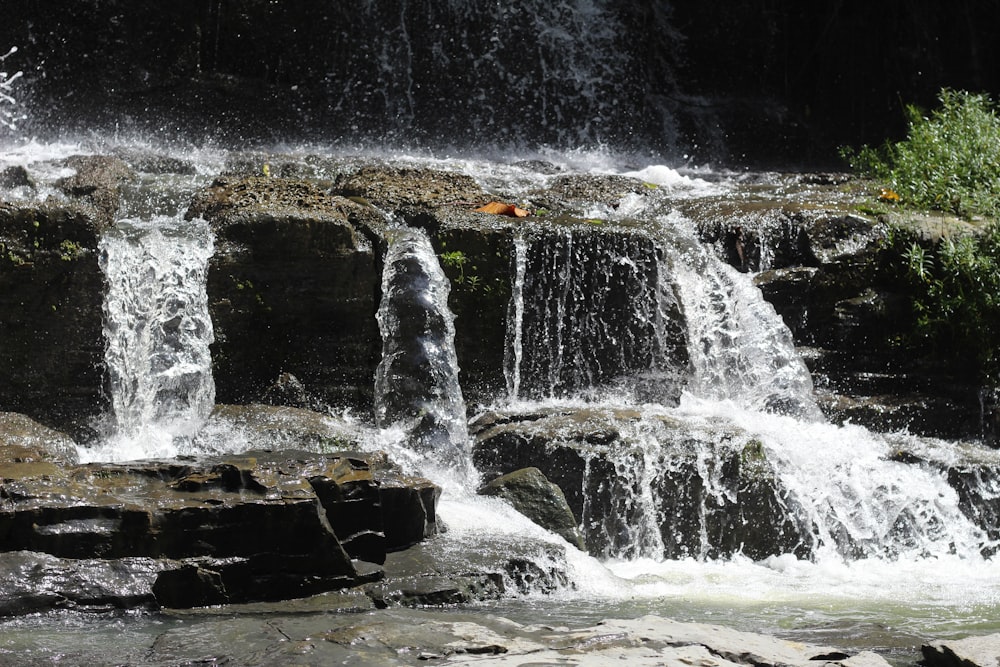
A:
<point x="191" y="532"/>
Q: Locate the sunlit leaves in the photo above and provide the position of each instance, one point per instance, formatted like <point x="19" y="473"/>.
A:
<point x="950" y="160"/>
<point x="957" y="298"/>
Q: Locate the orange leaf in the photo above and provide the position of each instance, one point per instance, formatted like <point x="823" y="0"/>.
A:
<point x="885" y="194"/>
<point x="499" y="208"/>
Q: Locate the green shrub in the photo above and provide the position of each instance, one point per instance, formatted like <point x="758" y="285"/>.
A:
<point x="950" y="160"/>
<point x="957" y="299"/>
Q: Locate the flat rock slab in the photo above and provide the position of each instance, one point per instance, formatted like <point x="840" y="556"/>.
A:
<point x="414" y="637"/>
<point x="970" y="652"/>
<point x="227" y="529"/>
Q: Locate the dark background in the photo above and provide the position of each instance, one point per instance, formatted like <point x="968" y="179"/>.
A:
<point x="760" y="83"/>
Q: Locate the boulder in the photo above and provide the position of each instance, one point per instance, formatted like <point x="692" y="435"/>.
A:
<point x="970" y="652"/>
<point x="531" y="494"/>
<point x="293" y="288"/>
<point x="51" y="322"/>
<point x="276" y="428"/>
<point x="15" y="177"/>
<point x="288" y="391"/>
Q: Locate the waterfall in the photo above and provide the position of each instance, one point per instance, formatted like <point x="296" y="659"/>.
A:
<point x="157" y="331"/>
<point x="576" y="72"/>
<point x="514" y="350"/>
<point x="733" y="454"/>
<point x="592" y="312"/>
<point x="740" y="348"/>
<point x="416" y="382"/>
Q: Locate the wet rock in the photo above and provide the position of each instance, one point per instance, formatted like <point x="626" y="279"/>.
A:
<point x="97" y="183"/>
<point x="476" y="253"/>
<point x="51" y="294"/>
<point x="476" y="567"/>
<point x="579" y="193"/>
<point x="23" y="440"/>
<point x="531" y="494"/>
<point x="293" y="288"/>
<point x="970" y="652"/>
<point x="392" y="188"/>
<point x="649" y="640"/>
<point x="259" y="526"/>
<point x="38" y="582"/>
<point x="276" y="428"/>
<point x="595" y="313"/>
<point x="409" y="509"/>
<point x="834" y="276"/>
<point x="601" y="458"/>
<point x="407" y="505"/>
<point x="150" y="162"/>
<point x="288" y="391"/>
<point x="15" y="177"/>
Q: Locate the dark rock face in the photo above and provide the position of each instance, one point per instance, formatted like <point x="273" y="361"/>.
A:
<point x="531" y="494"/>
<point x="51" y="294"/>
<point x="259" y="526"/>
<point x="596" y="312"/>
<point x="601" y="458"/>
<point x="293" y="287"/>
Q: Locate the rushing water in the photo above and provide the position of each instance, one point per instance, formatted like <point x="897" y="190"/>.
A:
<point x="887" y="558"/>
<point x="416" y="382"/>
<point x="158" y="331"/>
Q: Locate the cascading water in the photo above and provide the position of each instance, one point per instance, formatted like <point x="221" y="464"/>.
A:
<point x="740" y="349"/>
<point x="416" y="382"/>
<point x="747" y="439"/>
<point x="716" y="497"/>
<point x="565" y="65"/>
<point x="9" y="116"/>
<point x="158" y="331"/>
<point x="574" y="329"/>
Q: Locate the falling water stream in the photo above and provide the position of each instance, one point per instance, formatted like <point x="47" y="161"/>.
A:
<point x="158" y="331"/>
<point x="416" y="382"/>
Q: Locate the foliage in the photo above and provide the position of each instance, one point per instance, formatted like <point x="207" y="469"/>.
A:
<point x="957" y="301"/>
<point x="950" y="160"/>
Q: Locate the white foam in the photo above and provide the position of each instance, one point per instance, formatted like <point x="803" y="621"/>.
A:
<point x="675" y="182"/>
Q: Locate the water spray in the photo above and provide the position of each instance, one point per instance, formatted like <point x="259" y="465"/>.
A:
<point x="8" y="115"/>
